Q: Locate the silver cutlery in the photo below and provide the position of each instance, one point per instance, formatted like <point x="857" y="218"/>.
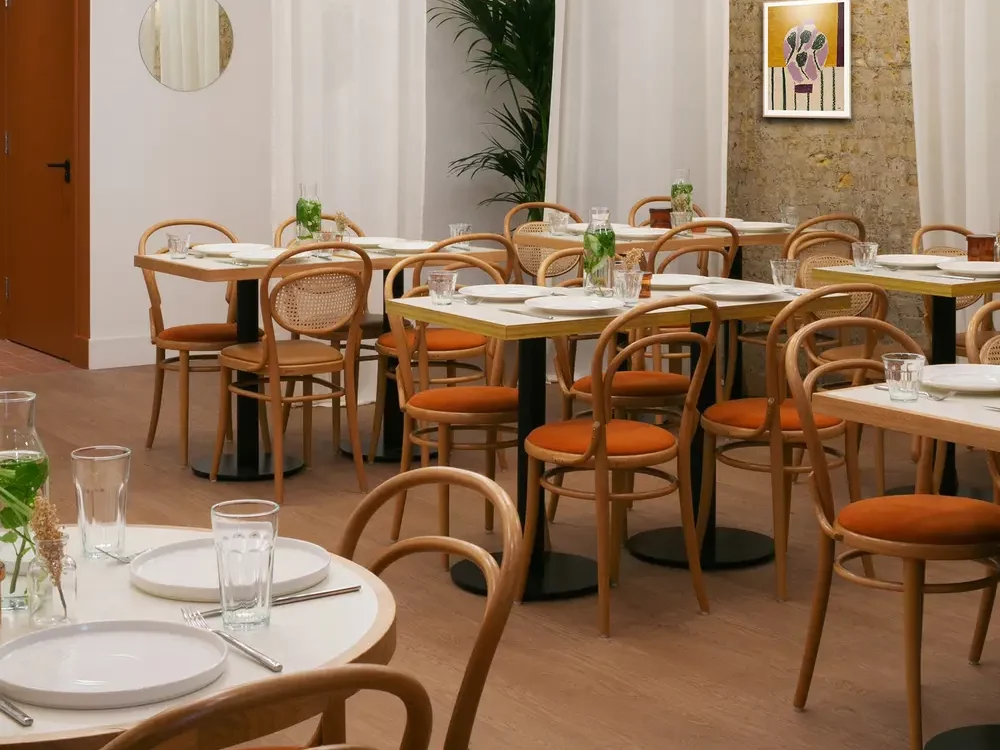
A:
<point x="123" y="559"/>
<point x="13" y="712"/>
<point x="932" y="396"/>
<point x="239" y="263"/>
<point x="193" y="617"/>
<point x="528" y="314"/>
<point x="949" y="276"/>
<point x="991" y="408"/>
<point x="279" y="601"/>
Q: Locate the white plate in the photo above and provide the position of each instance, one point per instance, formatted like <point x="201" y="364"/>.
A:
<point x="407" y="247"/>
<point x="728" y="220"/>
<point x="764" y="226"/>
<point x="263" y="256"/>
<point x="505" y="292"/>
<point x="575" y="305"/>
<point x="372" y="243"/>
<point x="225" y="249"/>
<point x="680" y="280"/>
<point x="909" y="260"/>
<point x="577" y="228"/>
<point x="639" y="233"/>
<point x="114" y="664"/>
<point x="188" y="571"/>
<point x="962" y="378"/>
<point x="730" y="291"/>
<point x="971" y="268"/>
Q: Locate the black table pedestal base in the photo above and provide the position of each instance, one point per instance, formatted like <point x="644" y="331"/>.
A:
<point x="229" y="471"/>
<point x="733" y="548"/>
<point x="557" y="576"/>
<point x="967" y="738"/>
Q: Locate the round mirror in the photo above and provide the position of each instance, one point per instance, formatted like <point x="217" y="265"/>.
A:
<point x="186" y="44"/>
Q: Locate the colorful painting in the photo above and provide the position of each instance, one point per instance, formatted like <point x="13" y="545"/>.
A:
<point x="807" y="58"/>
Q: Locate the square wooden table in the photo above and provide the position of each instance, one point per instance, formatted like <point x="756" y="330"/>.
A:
<point x="555" y="575"/>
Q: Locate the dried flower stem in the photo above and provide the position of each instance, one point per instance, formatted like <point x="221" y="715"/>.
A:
<point x="49" y="542"/>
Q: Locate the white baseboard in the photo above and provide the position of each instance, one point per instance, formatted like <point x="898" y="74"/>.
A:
<point x="127" y="351"/>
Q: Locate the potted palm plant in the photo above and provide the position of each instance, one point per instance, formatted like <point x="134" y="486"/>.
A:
<point x="511" y="43"/>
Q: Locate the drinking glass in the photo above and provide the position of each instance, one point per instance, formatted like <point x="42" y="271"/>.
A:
<point x="679" y="218"/>
<point x="245" y="532"/>
<point x="178" y="246"/>
<point x="784" y="273"/>
<point x="457" y="230"/>
<point x="442" y="286"/>
<point x="628" y="284"/>
<point x="559" y="222"/>
<point x="864" y="255"/>
<point x="902" y="375"/>
<point x="100" y="475"/>
<point x="790" y="215"/>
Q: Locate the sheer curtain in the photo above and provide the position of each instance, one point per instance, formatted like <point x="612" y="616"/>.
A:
<point x="189" y="43"/>
<point x="956" y="103"/>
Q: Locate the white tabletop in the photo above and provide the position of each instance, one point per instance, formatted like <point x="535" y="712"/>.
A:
<point x="933" y="282"/>
<point x="302" y="636"/>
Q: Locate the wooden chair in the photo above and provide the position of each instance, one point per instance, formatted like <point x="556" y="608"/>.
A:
<point x="432" y="416"/>
<point x="530" y="256"/>
<point x="616" y="448"/>
<point x="196" y="345"/>
<point x="812" y="225"/>
<point x="773" y="422"/>
<point x="447" y="348"/>
<point x="258" y="709"/>
<point x="633" y="214"/>
<point x="986" y="352"/>
<point x="313" y="302"/>
<point x="500" y="580"/>
<point x="917" y="529"/>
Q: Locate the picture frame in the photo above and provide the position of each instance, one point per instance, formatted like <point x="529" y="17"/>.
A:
<point x="807" y="59"/>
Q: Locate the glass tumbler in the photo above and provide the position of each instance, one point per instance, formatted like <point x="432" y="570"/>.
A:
<point x="790" y="215"/>
<point x="559" y="222"/>
<point x="100" y="475"/>
<point x="679" y="218"/>
<point x="902" y="375"/>
<point x="442" y="286"/>
<point x="784" y="274"/>
<point x="864" y="254"/>
<point x="245" y="532"/>
<point x="178" y="246"/>
<point x="457" y="230"/>
<point x="628" y="284"/>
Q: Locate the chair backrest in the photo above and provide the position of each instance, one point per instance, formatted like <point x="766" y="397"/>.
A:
<point x="571" y="258"/>
<point x="704" y="253"/>
<point x="156" y="324"/>
<point x="801" y="388"/>
<point x="633" y="214"/>
<point x="987" y="353"/>
<point x="825" y="219"/>
<point x="824" y="249"/>
<point x="252" y="711"/>
<point x="945" y="251"/>
<point x="501" y="580"/>
<point x="411" y="344"/>
<point x="529" y="255"/>
<point x="279" y="233"/>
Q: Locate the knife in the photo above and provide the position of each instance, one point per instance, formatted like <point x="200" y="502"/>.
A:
<point x="529" y="314"/>
<point x="293" y="598"/>
<point x="12" y="711"/>
<point x="950" y="276"/>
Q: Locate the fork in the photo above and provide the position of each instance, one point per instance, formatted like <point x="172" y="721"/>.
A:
<point x="193" y="617"/>
<point x="123" y="559"/>
<point x="925" y="394"/>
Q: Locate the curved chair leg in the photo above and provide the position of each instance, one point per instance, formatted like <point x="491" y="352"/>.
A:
<point x="821" y="600"/>
<point x="229" y="421"/>
<point x="154" y="417"/>
<point x="265" y="428"/>
<point x="337" y="405"/>
<point x="530" y="524"/>
<point x="277" y="441"/>
<point x="879" y="462"/>
<point x="307" y="423"/>
<point x="618" y="511"/>
<point x="404" y="466"/>
<point x="731" y="351"/>
<point x="553" y="503"/>
<point x="691" y="544"/>
<point x="351" y="395"/>
<point x="380" y="386"/>
<point x="184" y="391"/>
<point x="220" y="433"/>
<point x="913" y="626"/>
<point x="286" y="411"/>
<point x="491" y="472"/>
<point x="852" y="441"/>
<point x="940" y="453"/>
<point x="707" y="487"/>
<point x="781" y="482"/>
<point x="987" y="598"/>
<point x="444" y="494"/>
<point x="603" y="546"/>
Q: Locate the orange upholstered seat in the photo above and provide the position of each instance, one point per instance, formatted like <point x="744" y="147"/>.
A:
<point x="201" y="333"/>
<point x="439" y="340"/>
<point x="641" y="383"/>
<point x="749" y="414"/>
<point x="471" y="399"/>
<point x="295" y="353"/>
<point x="923" y="519"/>
<point x="625" y="438"/>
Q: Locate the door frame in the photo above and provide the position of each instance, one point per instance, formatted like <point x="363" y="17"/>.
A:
<point x="80" y="154"/>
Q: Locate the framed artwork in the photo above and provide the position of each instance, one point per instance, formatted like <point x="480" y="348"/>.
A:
<point x="807" y="58"/>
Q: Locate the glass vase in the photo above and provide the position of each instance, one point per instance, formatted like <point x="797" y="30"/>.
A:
<point x="308" y="212"/>
<point x="681" y="192"/>
<point x="599" y="254"/>
<point x="24" y="474"/>
<point x="51" y="584"/>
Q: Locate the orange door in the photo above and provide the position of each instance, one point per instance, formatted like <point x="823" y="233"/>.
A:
<point x="38" y="228"/>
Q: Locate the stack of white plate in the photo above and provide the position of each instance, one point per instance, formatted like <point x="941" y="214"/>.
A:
<point x="961" y="378"/>
<point x="407" y="247"/>
<point x="580" y="306"/>
<point x="504" y="292"/>
<point x="225" y="249"/>
<point x="909" y="261"/>
<point x="263" y="255"/>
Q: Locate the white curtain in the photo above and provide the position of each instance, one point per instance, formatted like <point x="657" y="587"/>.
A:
<point x="956" y="102"/>
<point x="189" y="43"/>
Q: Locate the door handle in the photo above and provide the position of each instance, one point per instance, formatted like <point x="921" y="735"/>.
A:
<point x="66" y="167"/>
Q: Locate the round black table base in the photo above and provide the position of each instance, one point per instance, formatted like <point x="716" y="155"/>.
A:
<point x="383" y="455"/>
<point x="977" y="493"/>
<point x="967" y="738"/>
<point x="557" y="576"/>
<point x="733" y="548"/>
<point x="230" y="472"/>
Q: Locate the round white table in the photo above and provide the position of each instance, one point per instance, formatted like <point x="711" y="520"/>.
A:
<point x="357" y="627"/>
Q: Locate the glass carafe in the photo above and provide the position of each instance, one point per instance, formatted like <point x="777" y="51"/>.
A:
<point x="24" y="474"/>
<point x="599" y="254"/>
<point x="681" y="198"/>
<point x="308" y="212"/>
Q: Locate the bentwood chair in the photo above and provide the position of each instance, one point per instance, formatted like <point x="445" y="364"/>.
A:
<point x="773" y="422"/>
<point x="447" y="348"/>
<point x="223" y="720"/>
<point x="633" y="214"/>
<point x="433" y="416"/>
<point x="813" y="225"/>
<point x="501" y="580"/>
<point x="196" y="345"/>
<point x="313" y="302"/>
<point x="618" y="449"/>
<point x="530" y="256"/>
<point x="916" y="529"/>
<point x="986" y="352"/>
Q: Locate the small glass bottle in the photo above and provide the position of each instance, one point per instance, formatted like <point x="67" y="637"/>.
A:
<point x="599" y="254"/>
<point x="681" y="192"/>
<point x="308" y="212"/>
<point x="51" y="584"/>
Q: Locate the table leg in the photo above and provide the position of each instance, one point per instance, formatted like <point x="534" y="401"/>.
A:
<point x="723" y="547"/>
<point x="551" y="575"/>
<point x="985" y="737"/>
<point x="248" y="464"/>
<point x="943" y="341"/>
<point x="736" y="329"/>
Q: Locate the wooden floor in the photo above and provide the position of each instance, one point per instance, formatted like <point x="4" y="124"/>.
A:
<point x="668" y="679"/>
